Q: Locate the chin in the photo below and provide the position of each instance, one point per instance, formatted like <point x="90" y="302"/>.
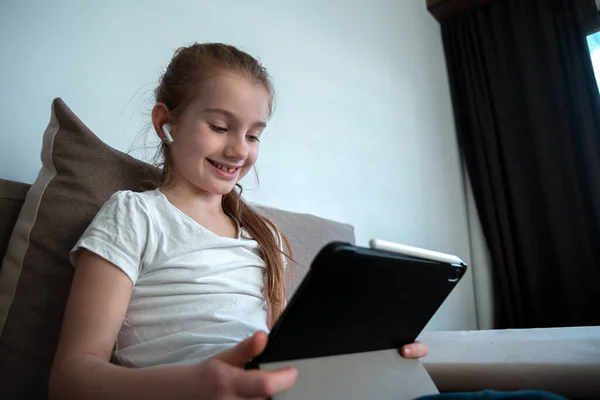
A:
<point x="222" y="189"/>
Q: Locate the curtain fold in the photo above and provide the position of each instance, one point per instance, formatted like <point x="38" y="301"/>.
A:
<point x="527" y="112"/>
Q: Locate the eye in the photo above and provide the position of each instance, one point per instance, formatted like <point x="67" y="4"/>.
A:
<point x="252" y="138"/>
<point x="218" y="129"/>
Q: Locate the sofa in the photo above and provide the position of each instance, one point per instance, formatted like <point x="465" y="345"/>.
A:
<point x="40" y="222"/>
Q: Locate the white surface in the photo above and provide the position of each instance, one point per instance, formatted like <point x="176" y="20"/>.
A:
<point x="413" y="251"/>
<point x="381" y="375"/>
<point x="363" y="129"/>
<point x="560" y="360"/>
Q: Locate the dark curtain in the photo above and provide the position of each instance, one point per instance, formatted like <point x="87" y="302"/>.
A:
<point x="527" y="113"/>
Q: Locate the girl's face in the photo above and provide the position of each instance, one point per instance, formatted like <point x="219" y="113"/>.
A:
<point x="217" y="135"/>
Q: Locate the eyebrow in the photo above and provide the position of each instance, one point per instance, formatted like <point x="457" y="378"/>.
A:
<point x="229" y="114"/>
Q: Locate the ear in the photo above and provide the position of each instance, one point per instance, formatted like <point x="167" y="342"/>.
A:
<point x="160" y="116"/>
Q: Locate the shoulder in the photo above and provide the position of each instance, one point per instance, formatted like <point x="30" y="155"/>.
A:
<point x="127" y="207"/>
<point x="128" y="199"/>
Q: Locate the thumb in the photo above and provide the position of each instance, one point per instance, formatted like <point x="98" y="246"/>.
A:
<point x="240" y="354"/>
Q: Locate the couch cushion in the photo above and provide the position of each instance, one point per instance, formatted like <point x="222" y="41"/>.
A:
<point x="560" y="360"/>
<point x="79" y="173"/>
<point x="12" y="196"/>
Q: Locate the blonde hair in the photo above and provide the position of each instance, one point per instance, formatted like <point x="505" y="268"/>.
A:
<point x="177" y="89"/>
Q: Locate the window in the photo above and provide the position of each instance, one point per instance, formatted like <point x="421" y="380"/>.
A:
<point x="593" y="42"/>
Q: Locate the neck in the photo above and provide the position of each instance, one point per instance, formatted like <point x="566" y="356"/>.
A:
<point x="181" y="193"/>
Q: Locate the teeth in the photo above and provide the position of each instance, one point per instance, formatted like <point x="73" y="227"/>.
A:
<point x="230" y="170"/>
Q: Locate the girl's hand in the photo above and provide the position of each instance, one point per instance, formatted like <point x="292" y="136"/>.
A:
<point x="414" y="350"/>
<point x="223" y="376"/>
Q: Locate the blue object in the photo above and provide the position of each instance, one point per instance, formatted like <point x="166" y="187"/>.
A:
<point x="493" y="395"/>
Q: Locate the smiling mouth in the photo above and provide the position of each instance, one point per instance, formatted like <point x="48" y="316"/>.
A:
<point x="224" y="168"/>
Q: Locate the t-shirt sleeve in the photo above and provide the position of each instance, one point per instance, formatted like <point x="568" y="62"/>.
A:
<point x="118" y="233"/>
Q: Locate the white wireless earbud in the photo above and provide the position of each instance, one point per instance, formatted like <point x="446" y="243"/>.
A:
<point x="166" y="128"/>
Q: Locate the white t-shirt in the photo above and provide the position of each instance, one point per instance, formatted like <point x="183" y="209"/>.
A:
<point x="195" y="293"/>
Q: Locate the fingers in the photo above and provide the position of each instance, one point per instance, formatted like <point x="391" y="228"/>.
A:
<point x="414" y="350"/>
<point x="240" y="354"/>
<point x="258" y="383"/>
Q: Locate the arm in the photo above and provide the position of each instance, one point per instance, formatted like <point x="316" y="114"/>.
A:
<point x="97" y="304"/>
<point x="98" y="300"/>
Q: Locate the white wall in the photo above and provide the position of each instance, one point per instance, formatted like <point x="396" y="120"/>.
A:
<point x="363" y="132"/>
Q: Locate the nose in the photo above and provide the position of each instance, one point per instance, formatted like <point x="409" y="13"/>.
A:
<point x="237" y="147"/>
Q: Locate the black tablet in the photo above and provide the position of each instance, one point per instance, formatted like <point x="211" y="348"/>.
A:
<point x="356" y="299"/>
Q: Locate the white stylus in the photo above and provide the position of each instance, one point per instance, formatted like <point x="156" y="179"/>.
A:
<point x="378" y="244"/>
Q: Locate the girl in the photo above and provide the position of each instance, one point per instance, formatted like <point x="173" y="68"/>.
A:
<point x="185" y="278"/>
